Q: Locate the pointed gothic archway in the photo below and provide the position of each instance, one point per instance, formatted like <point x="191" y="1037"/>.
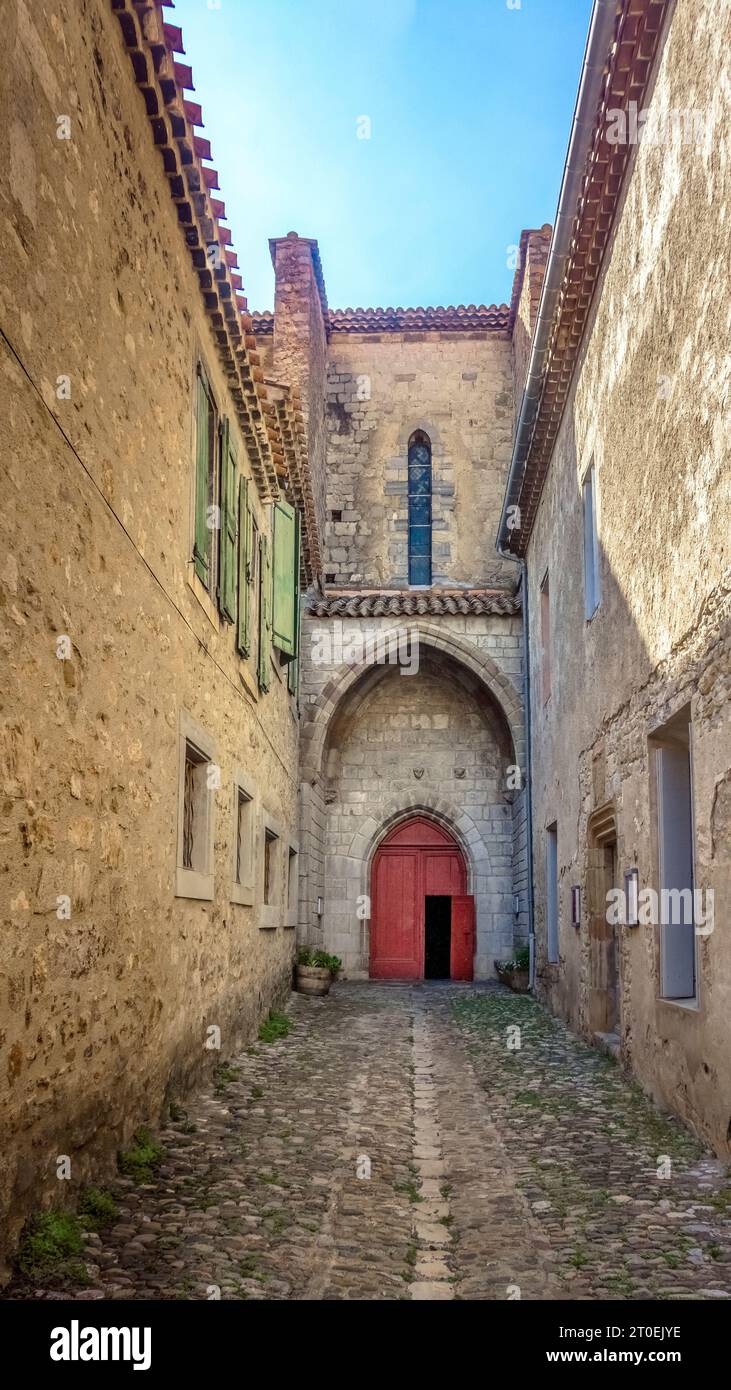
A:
<point x="379" y="749"/>
<point x="417" y="870"/>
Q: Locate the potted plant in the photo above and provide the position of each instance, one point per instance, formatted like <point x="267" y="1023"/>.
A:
<point x="515" y="972"/>
<point x="315" y="970"/>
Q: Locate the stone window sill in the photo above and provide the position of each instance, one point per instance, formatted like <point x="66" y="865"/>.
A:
<point x="189" y="884"/>
<point x="242" y="893"/>
<point x="271" y="916"/>
<point x="691" y="1006"/>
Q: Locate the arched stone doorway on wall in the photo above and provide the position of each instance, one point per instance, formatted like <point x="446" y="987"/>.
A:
<point x="422" y="920"/>
<point x="379" y="747"/>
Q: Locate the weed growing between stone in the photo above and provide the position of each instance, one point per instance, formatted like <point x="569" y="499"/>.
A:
<point x="142" y="1160"/>
<point x="97" y="1209"/>
<point x="276" y="1026"/>
<point x="51" y="1251"/>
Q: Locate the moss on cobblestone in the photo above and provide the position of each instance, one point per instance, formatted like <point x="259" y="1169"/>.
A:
<point x="224" y="1075"/>
<point x="97" y="1208"/>
<point x="142" y="1160"/>
<point x="276" y="1026"/>
<point x="51" y="1250"/>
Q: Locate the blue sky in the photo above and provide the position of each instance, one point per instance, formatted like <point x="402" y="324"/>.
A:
<point x="470" y="105"/>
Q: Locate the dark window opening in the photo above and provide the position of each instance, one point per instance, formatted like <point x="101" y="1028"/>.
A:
<point x="194" y="807"/>
<point x="243" y="835"/>
<point x="336" y="516"/>
<point x="330" y="578"/>
<point x="270" y="840"/>
<point x="292" y="879"/>
<point x="420" y="508"/>
<point x="437" y="938"/>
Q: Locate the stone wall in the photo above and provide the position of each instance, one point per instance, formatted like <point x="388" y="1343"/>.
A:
<point x="381" y="387"/>
<point x="650" y="406"/>
<point x="104" y="1014"/>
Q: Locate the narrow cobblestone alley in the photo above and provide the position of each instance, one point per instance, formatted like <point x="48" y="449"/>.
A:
<point x="398" y="1144"/>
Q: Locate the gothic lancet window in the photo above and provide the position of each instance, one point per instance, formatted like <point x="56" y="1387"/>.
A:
<point x="419" y="496"/>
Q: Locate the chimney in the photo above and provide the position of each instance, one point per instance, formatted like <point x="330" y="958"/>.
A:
<point x="527" y="285"/>
<point x="300" y="344"/>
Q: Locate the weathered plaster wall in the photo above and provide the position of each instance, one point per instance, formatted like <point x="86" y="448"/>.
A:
<point x="651" y="407"/>
<point x="456" y="720"/>
<point x="103" y="1014"/>
<point x="458" y="388"/>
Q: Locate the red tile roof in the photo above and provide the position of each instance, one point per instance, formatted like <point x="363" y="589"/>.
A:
<point x="388" y="604"/>
<point x="455" y="318"/>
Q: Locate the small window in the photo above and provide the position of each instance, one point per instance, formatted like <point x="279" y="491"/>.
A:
<point x="243" y="838"/>
<point x="195" y="799"/>
<point x="198" y="776"/>
<point x="675" y="836"/>
<point x="420" y="507"/>
<point x="243" y="854"/>
<point x="336" y="515"/>
<point x="545" y="639"/>
<point x="552" y="916"/>
<point x="330" y="577"/>
<point x="270" y="866"/>
<point x="592" y="588"/>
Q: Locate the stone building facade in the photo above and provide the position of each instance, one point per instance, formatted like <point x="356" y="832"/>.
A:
<point x="411" y="692"/>
<point x="625" y="520"/>
<point x="147" y="762"/>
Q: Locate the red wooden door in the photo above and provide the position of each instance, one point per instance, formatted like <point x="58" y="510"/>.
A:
<point x="395" y="927"/>
<point x="417" y="859"/>
<point x="463" y="938"/>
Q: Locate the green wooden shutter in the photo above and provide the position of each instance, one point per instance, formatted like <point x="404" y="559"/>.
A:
<point x="293" y="669"/>
<point x="246" y="568"/>
<point x="265" y="611"/>
<point x="227" y="542"/>
<point x="286" y="579"/>
<point x="202" y="546"/>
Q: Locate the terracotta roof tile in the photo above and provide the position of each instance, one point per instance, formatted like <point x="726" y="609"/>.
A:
<point x="436" y="603"/>
<point x="453" y="318"/>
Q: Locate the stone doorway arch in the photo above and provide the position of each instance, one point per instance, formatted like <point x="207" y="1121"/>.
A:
<point x="417" y="870"/>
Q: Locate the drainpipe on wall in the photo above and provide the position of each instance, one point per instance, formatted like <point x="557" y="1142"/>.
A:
<point x="601" y="30"/>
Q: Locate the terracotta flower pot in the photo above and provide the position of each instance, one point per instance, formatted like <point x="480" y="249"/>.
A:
<point x="312" y="979"/>
<point x="517" y="980"/>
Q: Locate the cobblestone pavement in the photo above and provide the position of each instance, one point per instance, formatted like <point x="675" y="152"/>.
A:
<point x="495" y="1171"/>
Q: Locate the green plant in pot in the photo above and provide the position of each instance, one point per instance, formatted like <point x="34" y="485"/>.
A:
<point x="315" y="970"/>
<point x="516" y="972"/>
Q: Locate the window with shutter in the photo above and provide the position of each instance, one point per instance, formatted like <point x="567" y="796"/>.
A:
<point x="205" y="480"/>
<point x="227" y="543"/>
<point x="265" y="612"/>
<point x="246" y="569"/>
<point x="286" y="579"/>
